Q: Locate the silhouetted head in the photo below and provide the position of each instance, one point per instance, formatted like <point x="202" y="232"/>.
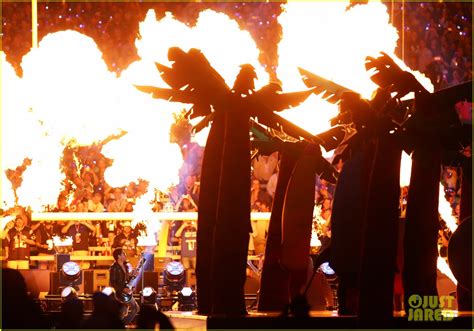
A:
<point x="72" y="312"/>
<point x="13" y="284"/>
<point x="101" y="302"/>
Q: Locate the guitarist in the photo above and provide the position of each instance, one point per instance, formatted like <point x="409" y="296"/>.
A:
<point x="119" y="277"/>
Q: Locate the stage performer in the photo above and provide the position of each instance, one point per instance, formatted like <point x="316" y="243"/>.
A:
<point x="119" y="277"/>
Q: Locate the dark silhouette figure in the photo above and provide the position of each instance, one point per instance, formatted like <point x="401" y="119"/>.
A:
<point x="71" y="316"/>
<point x="106" y="313"/>
<point x="244" y="83"/>
<point x="150" y="316"/>
<point x="19" y="311"/>
<point x="460" y="262"/>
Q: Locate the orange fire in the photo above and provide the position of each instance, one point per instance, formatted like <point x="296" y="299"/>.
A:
<point x="68" y="94"/>
<point x="333" y="42"/>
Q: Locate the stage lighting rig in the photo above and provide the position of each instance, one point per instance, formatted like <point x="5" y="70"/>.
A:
<point x="68" y="293"/>
<point x="70" y="275"/>
<point x="108" y="291"/>
<point x="174" y="277"/>
<point x="149" y="295"/>
<point x="187" y="299"/>
<point x="328" y="271"/>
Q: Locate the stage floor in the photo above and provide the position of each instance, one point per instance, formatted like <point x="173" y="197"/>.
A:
<point x="317" y="320"/>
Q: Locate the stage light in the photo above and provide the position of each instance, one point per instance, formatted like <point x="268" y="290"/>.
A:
<point x="149" y="295"/>
<point x="327" y="270"/>
<point x="71" y="271"/>
<point x="68" y="293"/>
<point x="186" y="299"/>
<point x="174" y="276"/>
<point x="108" y="291"/>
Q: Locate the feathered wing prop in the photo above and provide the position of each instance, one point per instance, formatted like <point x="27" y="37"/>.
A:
<point x="328" y="90"/>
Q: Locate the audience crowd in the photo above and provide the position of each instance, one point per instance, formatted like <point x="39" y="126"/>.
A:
<point x="436" y="40"/>
<point x="114" y="26"/>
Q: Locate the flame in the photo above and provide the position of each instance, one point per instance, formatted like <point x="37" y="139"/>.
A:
<point x="215" y="34"/>
<point x="327" y="39"/>
<point x="68" y="94"/>
<point x="444" y="268"/>
<point x="445" y="210"/>
<point x="7" y="196"/>
<point x="143" y="214"/>
<point x="405" y="170"/>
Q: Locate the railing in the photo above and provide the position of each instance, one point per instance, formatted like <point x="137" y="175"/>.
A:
<point x="129" y="216"/>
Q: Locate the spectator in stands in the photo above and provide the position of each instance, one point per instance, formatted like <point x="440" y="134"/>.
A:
<point x="95" y="204"/>
<point x="190" y="188"/>
<point x="187" y="232"/>
<point x="17" y="251"/>
<point x="44" y="241"/>
<point x="257" y="193"/>
<point x="127" y="240"/>
<point x="80" y="233"/>
<point x="326" y="204"/>
<point x="118" y="202"/>
<point x="186" y="204"/>
<point x="326" y="191"/>
<point x="259" y="233"/>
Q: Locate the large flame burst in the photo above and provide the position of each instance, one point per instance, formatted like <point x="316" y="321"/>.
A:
<point x="67" y="94"/>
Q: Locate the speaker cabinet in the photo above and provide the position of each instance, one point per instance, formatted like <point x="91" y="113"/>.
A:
<point x="54" y="283"/>
<point x="150" y="278"/>
<point x="95" y="280"/>
<point x="161" y="262"/>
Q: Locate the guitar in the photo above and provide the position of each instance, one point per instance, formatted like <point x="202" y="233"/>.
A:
<point x="132" y="282"/>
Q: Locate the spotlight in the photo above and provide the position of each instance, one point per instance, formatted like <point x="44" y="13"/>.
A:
<point x="186" y="299"/>
<point x="328" y="271"/>
<point x="174" y="276"/>
<point x="149" y="295"/>
<point x="68" y="293"/>
<point x="71" y="271"/>
<point x="108" y="291"/>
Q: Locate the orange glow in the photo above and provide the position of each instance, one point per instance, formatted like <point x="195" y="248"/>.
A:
<point x="68" y="94"/>
<point x="445" y="210"/>
<point x="324" y="38"/>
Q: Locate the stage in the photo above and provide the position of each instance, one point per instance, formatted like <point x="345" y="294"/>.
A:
<point x="317" y="320"/>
